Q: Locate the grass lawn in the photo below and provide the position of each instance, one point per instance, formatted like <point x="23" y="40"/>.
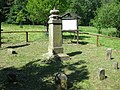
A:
<point x="21" y="37"/>
<point x="104" y="31"/>
<point x="82" y="69"/>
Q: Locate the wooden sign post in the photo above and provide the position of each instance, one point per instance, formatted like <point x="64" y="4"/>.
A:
<point x="70" y="25"/>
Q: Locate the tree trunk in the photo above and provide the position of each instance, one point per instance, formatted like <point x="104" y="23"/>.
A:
<point x="21" y="26"/>
<point x="99" y="31"/>
<point x="33" y="23"/>
<point x="118" y="32"/>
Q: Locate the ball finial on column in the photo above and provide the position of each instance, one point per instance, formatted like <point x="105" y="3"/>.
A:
<point x="54" y="14"/>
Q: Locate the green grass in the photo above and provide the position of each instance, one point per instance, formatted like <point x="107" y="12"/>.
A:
<point x="104" y="31"/>
<point x="81" y="70"/>
<point x="33" y="74"/>
<point x="14" y="27"/>
<point x="89" y="39"/>
<point x="102" y="41"/>
<point x="21" y="37"/>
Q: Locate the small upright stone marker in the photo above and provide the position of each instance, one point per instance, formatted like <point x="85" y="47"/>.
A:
<point x="109" y="54"/>
<point x="61" y="81"/>
<point x="101" y="74"/>
<point x="115" y="65"/>
<point x="12" y="51"/>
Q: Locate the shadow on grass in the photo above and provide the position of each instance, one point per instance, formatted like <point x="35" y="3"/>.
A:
<point x="75" y="41"/>
<point x="17" y="46"/>
<point x="83" y="42"/>
<point x="74" y="53"/>
<point x="3" y="42"/>
<point x="34" y="76"/>
<point x="72" y="36"/>
<point x="79" y="42"/>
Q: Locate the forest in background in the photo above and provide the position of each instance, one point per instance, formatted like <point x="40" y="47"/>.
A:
<point x="37" y="11"/>
<point x="98" y="13"/>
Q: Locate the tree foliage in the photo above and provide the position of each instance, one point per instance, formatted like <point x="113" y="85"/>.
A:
<point x="108" y="16"/>
<point x="20" y="17"/>
<point x="15" y="9"/>
<point x="1" y="4"/>
<point x="38" y="10"/>
<point x="84" y="8"/>
<point x="4" y="8"/>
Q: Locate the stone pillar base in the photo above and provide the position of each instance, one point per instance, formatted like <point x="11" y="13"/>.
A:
<point x="61" y="56"/>
<point x="55" y="50"/>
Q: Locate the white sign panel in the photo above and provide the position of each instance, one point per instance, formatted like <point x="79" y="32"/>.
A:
<point x="69" y="24"/>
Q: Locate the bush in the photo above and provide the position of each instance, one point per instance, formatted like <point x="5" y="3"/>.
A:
<point x="108" y="16"/>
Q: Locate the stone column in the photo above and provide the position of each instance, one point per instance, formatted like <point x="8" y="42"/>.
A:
<point x="55" y="34"/>
<point x="55" y="48"/>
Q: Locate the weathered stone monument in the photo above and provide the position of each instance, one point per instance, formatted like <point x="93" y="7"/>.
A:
<point x="55" y="36"/>
<point x="61" y="81"/>
<point x="115" y="65"/>
<point x="101" y="74"/>
<point x="109" y="54"/>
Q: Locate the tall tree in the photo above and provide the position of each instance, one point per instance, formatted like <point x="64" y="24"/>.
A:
<point x="17" y="7"/>
<point x="20" y="18"/>
<point x="5" y="8"/>
<point x="39" y="9"/>
<point x="108" y="16"/>
<point x="1" y="6"/>
<point x="1" y="3"/>
<point x="84" y="8"/>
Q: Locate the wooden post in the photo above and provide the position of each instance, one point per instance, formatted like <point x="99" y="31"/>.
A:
<point x="26" y="38"/>
<point x="77" y="37"/>
<point x="97" y="40"/>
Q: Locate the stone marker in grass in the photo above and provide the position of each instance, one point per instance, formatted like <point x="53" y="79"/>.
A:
<point x="115" y="65"/>
<point x="109" y="54"/>
<point x="11" y="51"/>
<point x="61" y="81"/>
<point x="101" y="74"/>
